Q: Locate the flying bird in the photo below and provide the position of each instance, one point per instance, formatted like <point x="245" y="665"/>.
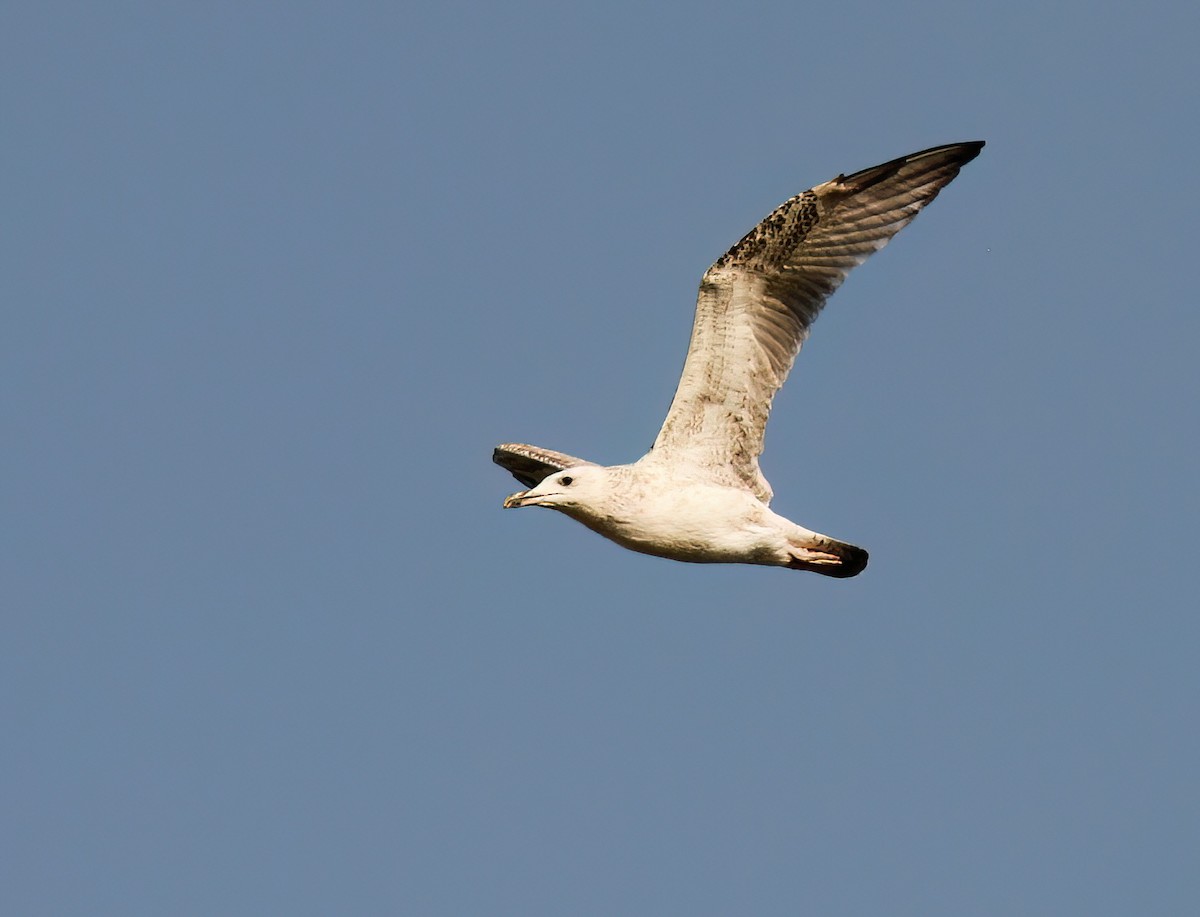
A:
<point x="698" y="494"/>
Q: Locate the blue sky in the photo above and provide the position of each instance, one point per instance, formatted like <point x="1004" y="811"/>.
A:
<point x="276" y="278"/>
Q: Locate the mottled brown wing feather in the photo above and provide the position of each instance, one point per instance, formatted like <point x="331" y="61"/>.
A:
<point x="757" y="302"/>
<point x="532" y="464"/>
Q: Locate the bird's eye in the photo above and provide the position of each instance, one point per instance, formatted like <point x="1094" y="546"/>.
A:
<point x="565" y="480"/>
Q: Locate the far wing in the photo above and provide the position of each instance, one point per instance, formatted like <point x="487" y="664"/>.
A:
<point x="757" y="302"/>
<point x="531" y="464"/>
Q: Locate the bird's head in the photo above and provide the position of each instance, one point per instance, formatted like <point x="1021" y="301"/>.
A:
<point x="572" y="490"/>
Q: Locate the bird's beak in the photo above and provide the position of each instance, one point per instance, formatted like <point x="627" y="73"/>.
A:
<point x="529" y="498"/>
<point x="512" y="501"/>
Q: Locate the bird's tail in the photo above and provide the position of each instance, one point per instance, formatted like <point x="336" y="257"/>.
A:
<point x="825" y="555"/>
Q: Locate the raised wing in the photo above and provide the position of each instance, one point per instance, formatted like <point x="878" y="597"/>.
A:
<point x="758" y="301"/>
<point x="531" y="464"/>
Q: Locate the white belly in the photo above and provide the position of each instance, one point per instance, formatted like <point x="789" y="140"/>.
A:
<point x="697" y="523"/>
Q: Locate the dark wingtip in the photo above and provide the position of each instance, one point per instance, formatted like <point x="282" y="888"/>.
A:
<point x="957" y="153"/>
<point x="503" y="456"/>
<point x="963" y="151"/>
<point x="971" y="149"/>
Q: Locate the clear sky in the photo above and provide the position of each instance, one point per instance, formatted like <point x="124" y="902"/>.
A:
<point x="276" y="278"/>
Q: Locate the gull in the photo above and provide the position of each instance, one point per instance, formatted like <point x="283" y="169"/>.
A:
<point x="698" y="494"/>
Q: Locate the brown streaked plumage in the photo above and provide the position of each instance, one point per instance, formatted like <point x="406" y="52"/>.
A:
<point x="698" y="495"/>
